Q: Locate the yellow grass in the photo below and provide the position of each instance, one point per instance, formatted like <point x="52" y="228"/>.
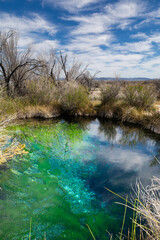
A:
<point x="42" y="111"/>
<point x="15" y="148"/>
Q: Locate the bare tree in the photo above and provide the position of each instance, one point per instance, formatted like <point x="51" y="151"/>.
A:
<point x="51" y="69"/>
<point x="87" y="79"/>
<point x="63" y="62"/>
<point x="75" y="71"/>
<point x="15" y="65"/>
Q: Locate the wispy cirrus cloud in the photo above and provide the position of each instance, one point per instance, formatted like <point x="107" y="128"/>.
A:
<point x="125" y="9"/>
<point x="105" y="37"/>
<point x="71" y="6"/>
<point x="90" y="41"/>
<point x="139" y="35"/>
<point x="46" y="45"/>
<point x="120" y="15"/>
<point x="139" y="46"/>
<point x="94" y="39"/>
<point x="31" y="29"/>
<point x="33" y="23"/>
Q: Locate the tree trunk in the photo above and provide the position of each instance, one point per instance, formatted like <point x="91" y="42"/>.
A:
<point x="7" y="87"/>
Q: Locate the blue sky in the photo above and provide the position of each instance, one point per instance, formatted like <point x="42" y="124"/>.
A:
<point x="114" y="37"/>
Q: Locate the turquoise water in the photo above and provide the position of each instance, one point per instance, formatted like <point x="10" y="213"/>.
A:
<point x="57" y="188"/>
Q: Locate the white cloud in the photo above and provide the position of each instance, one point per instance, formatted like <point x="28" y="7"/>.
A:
<point x="94" y="39"/>
<point x="33" y="30"/>
<point x="70" y="5"/>
<point x="139" y="35"/>
<point x="126" y="159"/>
<point x="25" y="41"/>
<point x="107" y="61"/>
<point x="140" y="46"/>
<point x="120" y="15"/>
<point x="155" y="37"/>
<point x="46" y="45"/>
<point x="89" y="42"/>
<point x="34" y="23"/>
<point x="151" y="64"/>
<point x="149" y="17"/>
<point x="154" y="14"/>
<point x="91" y="27"/>
<point x="125" y="9"/>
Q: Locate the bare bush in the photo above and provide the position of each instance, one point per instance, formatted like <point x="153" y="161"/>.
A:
<point x="87" y="80"/>
<point x="149" y="208"/>
<point x="42" y="91"/>
<point x="139" y="96"/>
<point x="109" y="94"/>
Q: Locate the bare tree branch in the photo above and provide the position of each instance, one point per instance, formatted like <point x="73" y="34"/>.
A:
<point x="14" y="64"/>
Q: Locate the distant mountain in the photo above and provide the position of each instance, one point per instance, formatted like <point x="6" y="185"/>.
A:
<point x="125" y="79"/>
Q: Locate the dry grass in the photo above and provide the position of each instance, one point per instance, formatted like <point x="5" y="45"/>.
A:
<point x="23" y="108"/>
<point x="96" y="103"/>
<point x="42" y="92"/>
<point x="120" y="111"/>
<point x="146" y="119"/>
<point x="157" y="106"/>
<point x="149" y="208"/>
<point x="42" y="111"/>
<point x="41" y="100"/>
<point x="7" y="152"/>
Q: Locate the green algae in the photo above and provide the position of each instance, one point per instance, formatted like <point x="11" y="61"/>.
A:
<point x="50" y="185"/>
<point x="46" y="186"/>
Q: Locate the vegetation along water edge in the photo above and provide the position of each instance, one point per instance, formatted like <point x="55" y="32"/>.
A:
<point x="48" y="86"/>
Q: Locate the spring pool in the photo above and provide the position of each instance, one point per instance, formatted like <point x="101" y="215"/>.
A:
<point x="57" y="187"/>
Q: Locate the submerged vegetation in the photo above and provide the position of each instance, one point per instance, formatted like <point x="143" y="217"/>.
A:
<point x="49" y="183"/>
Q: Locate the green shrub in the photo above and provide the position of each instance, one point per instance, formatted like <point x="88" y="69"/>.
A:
<point x="74" y="98"/>
<point x="109" y="94"/>
<point x="139" y="96"/>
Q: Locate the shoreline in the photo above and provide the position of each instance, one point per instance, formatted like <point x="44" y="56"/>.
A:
<point x="41" y="115"/>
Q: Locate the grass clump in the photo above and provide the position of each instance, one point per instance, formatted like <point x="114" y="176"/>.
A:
<point x="10" y="105"/>
<point x="74" y="99"/>
<point x="40" y="101"/>
<point x="109" y="94"/>
<point x="42" y="92"/>
<point x="149" y="208"/>
<point x="139" y="96"/>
